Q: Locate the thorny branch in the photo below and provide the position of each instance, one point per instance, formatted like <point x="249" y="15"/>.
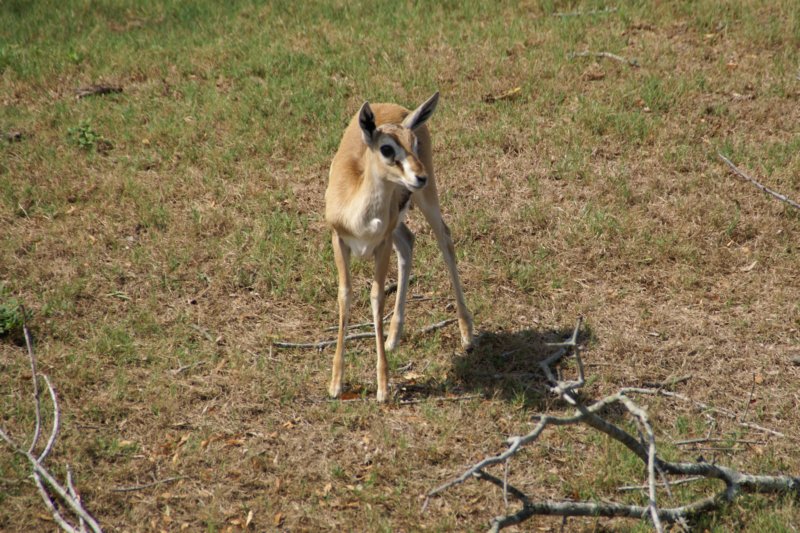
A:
<point x="46" y="484"/>
<point x="644" y="447"/>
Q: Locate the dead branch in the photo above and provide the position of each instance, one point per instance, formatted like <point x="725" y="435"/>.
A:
<point x="758" y="185"/>
<point x="319" y="345"/>
<point x="644" y="447"/>
<point x="44" y="480"/>
<point x="93" y="90"/>
<point x="607" y="55"/>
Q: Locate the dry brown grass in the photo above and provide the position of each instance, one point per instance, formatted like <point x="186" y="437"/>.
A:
<point x="198" y="239"/>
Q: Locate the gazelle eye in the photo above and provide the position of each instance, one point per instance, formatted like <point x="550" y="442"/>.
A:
<point x="387" y="151"/>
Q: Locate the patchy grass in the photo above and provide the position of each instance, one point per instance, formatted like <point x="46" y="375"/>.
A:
<point x="162" y="237"/>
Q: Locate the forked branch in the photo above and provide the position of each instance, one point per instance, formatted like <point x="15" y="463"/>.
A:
<point x="644" y="447"/>
<point x="46" y="483"/>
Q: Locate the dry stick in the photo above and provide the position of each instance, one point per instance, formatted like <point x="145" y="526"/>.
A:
<point x="438" y="399"/>
<point x="148" y="485"/>
<point x="369" y="335"/>
<point x="362" y="324"/>
<point x="93" y="90"/>
<point x="603" y="11"/>
<point x="74" y="494"/>
<point x="749" y="399"/>
<point x="759" y="186"/>
<point x="608" y="55"/>
<point x="735" y="481"/>
<point x="32" y="357"/>
<point x="41" y="475"/>
<point x="702" y="405"/>
<point x="705" y="439"/>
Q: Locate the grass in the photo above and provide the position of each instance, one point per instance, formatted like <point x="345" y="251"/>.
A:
<point x="178" y="225"/>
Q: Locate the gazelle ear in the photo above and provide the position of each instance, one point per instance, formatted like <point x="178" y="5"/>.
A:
<point x="420" y="115"/>
<point x="366" y="119"/>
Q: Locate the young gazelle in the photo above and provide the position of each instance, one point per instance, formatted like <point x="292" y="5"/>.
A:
<point x="384" y="164"/>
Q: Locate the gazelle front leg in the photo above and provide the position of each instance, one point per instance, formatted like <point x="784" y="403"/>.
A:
<point x="403" y="241"/>
<point x="429" y="205"/>
<point x="377" y="299"/>
<point x="341" y="255"/>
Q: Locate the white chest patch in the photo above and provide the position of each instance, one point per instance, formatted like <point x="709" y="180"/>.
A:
<point x="366" y="243"/>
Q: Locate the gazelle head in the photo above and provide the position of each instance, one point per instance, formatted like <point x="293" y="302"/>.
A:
<point x="393" y="147"/>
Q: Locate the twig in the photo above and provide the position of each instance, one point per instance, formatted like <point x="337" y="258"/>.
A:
<point x="355" y="336"/>
<point x="604" y="11"/>
<point x="41" y="476"/>
<point x="74" y="494"/>
<point x="702" y="405"/>
<point x="362" y="324"/>
<point x="37" y="430"/>
<point x="322" y="344"/>
<point x="749" y="399"/>
<point x="148" y="485"/>
<point x="441" y="399"/>
<point x="758" y="185"/>
<point x="608" y="55"/>
<point x="706" y="439"/>
<point x="93" y="90"/>
<point x="434" y="327"/>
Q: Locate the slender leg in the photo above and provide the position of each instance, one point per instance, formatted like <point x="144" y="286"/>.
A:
<point x="341" y="254"/>
<point x="403" y="241"/>
<point x="429" y="205"/>
<point x="378" y="298"/>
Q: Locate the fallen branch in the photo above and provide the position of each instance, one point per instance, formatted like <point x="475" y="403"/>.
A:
<point x="607" y="55"/>
<point x="644" y="447"/>
<point x="758" y="185"/>
<point x="319" y="345"/>
<point x="44" y="480"/>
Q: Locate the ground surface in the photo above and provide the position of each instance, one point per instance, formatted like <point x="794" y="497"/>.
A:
<point x="163" y="237"/>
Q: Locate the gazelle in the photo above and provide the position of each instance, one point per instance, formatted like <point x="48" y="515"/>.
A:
<point x="384" y="164"/>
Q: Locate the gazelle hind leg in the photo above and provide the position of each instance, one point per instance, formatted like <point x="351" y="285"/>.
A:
<point x="341" y="254"/>
<point x="429" y="205"/>
<point x="403" y="241"/>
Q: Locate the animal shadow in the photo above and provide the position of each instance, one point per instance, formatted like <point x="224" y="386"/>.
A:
<point x="507" y="364"/>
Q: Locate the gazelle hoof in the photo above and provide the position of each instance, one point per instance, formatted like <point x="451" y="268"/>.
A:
<point x="335" y="390"/>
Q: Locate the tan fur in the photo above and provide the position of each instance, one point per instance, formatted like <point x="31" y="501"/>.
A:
<point x="363" y="207"/>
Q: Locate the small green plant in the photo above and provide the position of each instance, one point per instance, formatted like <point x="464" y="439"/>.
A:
<point x="12" y="316"/>
<point x="85" y="136"/>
